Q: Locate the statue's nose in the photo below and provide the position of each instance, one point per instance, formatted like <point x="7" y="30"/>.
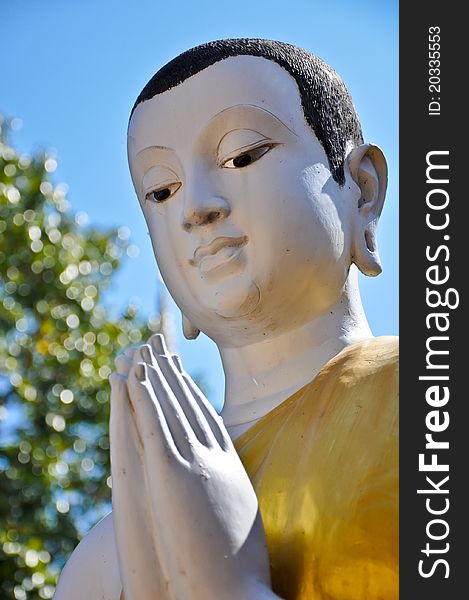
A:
<point x="205" y="212"/>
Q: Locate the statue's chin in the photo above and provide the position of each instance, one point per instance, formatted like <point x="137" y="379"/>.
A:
<point x="238" y="305"/>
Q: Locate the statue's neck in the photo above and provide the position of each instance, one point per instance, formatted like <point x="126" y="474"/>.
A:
<point x="261" y="376"/>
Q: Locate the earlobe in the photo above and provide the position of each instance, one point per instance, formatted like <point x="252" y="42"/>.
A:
<point x="189" y="330"/>
<point x="365" y="252"/>
<point x="368" y="169"/>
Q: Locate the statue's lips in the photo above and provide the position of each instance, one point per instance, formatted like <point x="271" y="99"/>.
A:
<point x="219" y="251"/>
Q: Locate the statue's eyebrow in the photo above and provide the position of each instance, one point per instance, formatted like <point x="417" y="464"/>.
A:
<point x="261" y="109"/>
<point x="146" y="156"/>
<point x="152" y="149"/>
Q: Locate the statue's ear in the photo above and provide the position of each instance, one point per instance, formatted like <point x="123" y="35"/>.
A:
<point x="190" y="331"/>
<point x="369" y="171"/>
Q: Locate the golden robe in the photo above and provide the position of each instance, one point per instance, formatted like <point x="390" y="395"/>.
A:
<point x="324" y="465"/>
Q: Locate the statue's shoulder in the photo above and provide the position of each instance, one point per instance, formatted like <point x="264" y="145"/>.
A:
<point x="361" y="379"/>
<point x="368" y="370"/>
<point x="92" y="571"/>
<point x="369" y="358"/>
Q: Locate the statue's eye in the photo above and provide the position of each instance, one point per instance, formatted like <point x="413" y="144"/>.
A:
<point x="247" y="157"/>
<point x="162" y="194"/>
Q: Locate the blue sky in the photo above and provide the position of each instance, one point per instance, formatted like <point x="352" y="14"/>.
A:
<point x="72" y="70"/>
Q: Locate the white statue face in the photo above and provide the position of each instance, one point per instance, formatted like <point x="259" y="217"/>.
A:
<point x="251" y="233"/>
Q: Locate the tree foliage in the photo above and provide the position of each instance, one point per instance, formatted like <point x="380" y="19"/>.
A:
<point x="57" y="347"/>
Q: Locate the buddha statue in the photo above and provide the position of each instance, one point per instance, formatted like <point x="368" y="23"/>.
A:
<point x="262" y="202"/>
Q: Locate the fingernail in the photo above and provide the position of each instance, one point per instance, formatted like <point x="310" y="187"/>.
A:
<point x="158" y="343"/>
<point x="145" y="353"/>
<point x="122" y="361"/>
<point x="177" y="362"/>
<point x="139" y="371"/>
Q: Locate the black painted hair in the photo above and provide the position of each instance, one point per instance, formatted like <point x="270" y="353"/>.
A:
<point x="327" y="105"/>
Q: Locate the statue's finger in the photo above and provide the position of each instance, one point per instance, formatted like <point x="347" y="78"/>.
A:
<point x="158" y="343"/>
<point x="152" y="421"/>
<point x="213" y="420"/>
<point x="137" y="542"/>
<point x="123" y="364"/>
<point x="121" y="418"/>
<point x="177" y="362"/>
<point x="168" y="397"/>
<point x="130" y="351"/>
<point x="184" y="398"/>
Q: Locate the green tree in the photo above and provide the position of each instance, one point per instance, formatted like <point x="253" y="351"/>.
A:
<point x="57" y="347"/>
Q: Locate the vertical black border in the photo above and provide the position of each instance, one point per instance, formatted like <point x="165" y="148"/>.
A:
<point x="420" y="133"/>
